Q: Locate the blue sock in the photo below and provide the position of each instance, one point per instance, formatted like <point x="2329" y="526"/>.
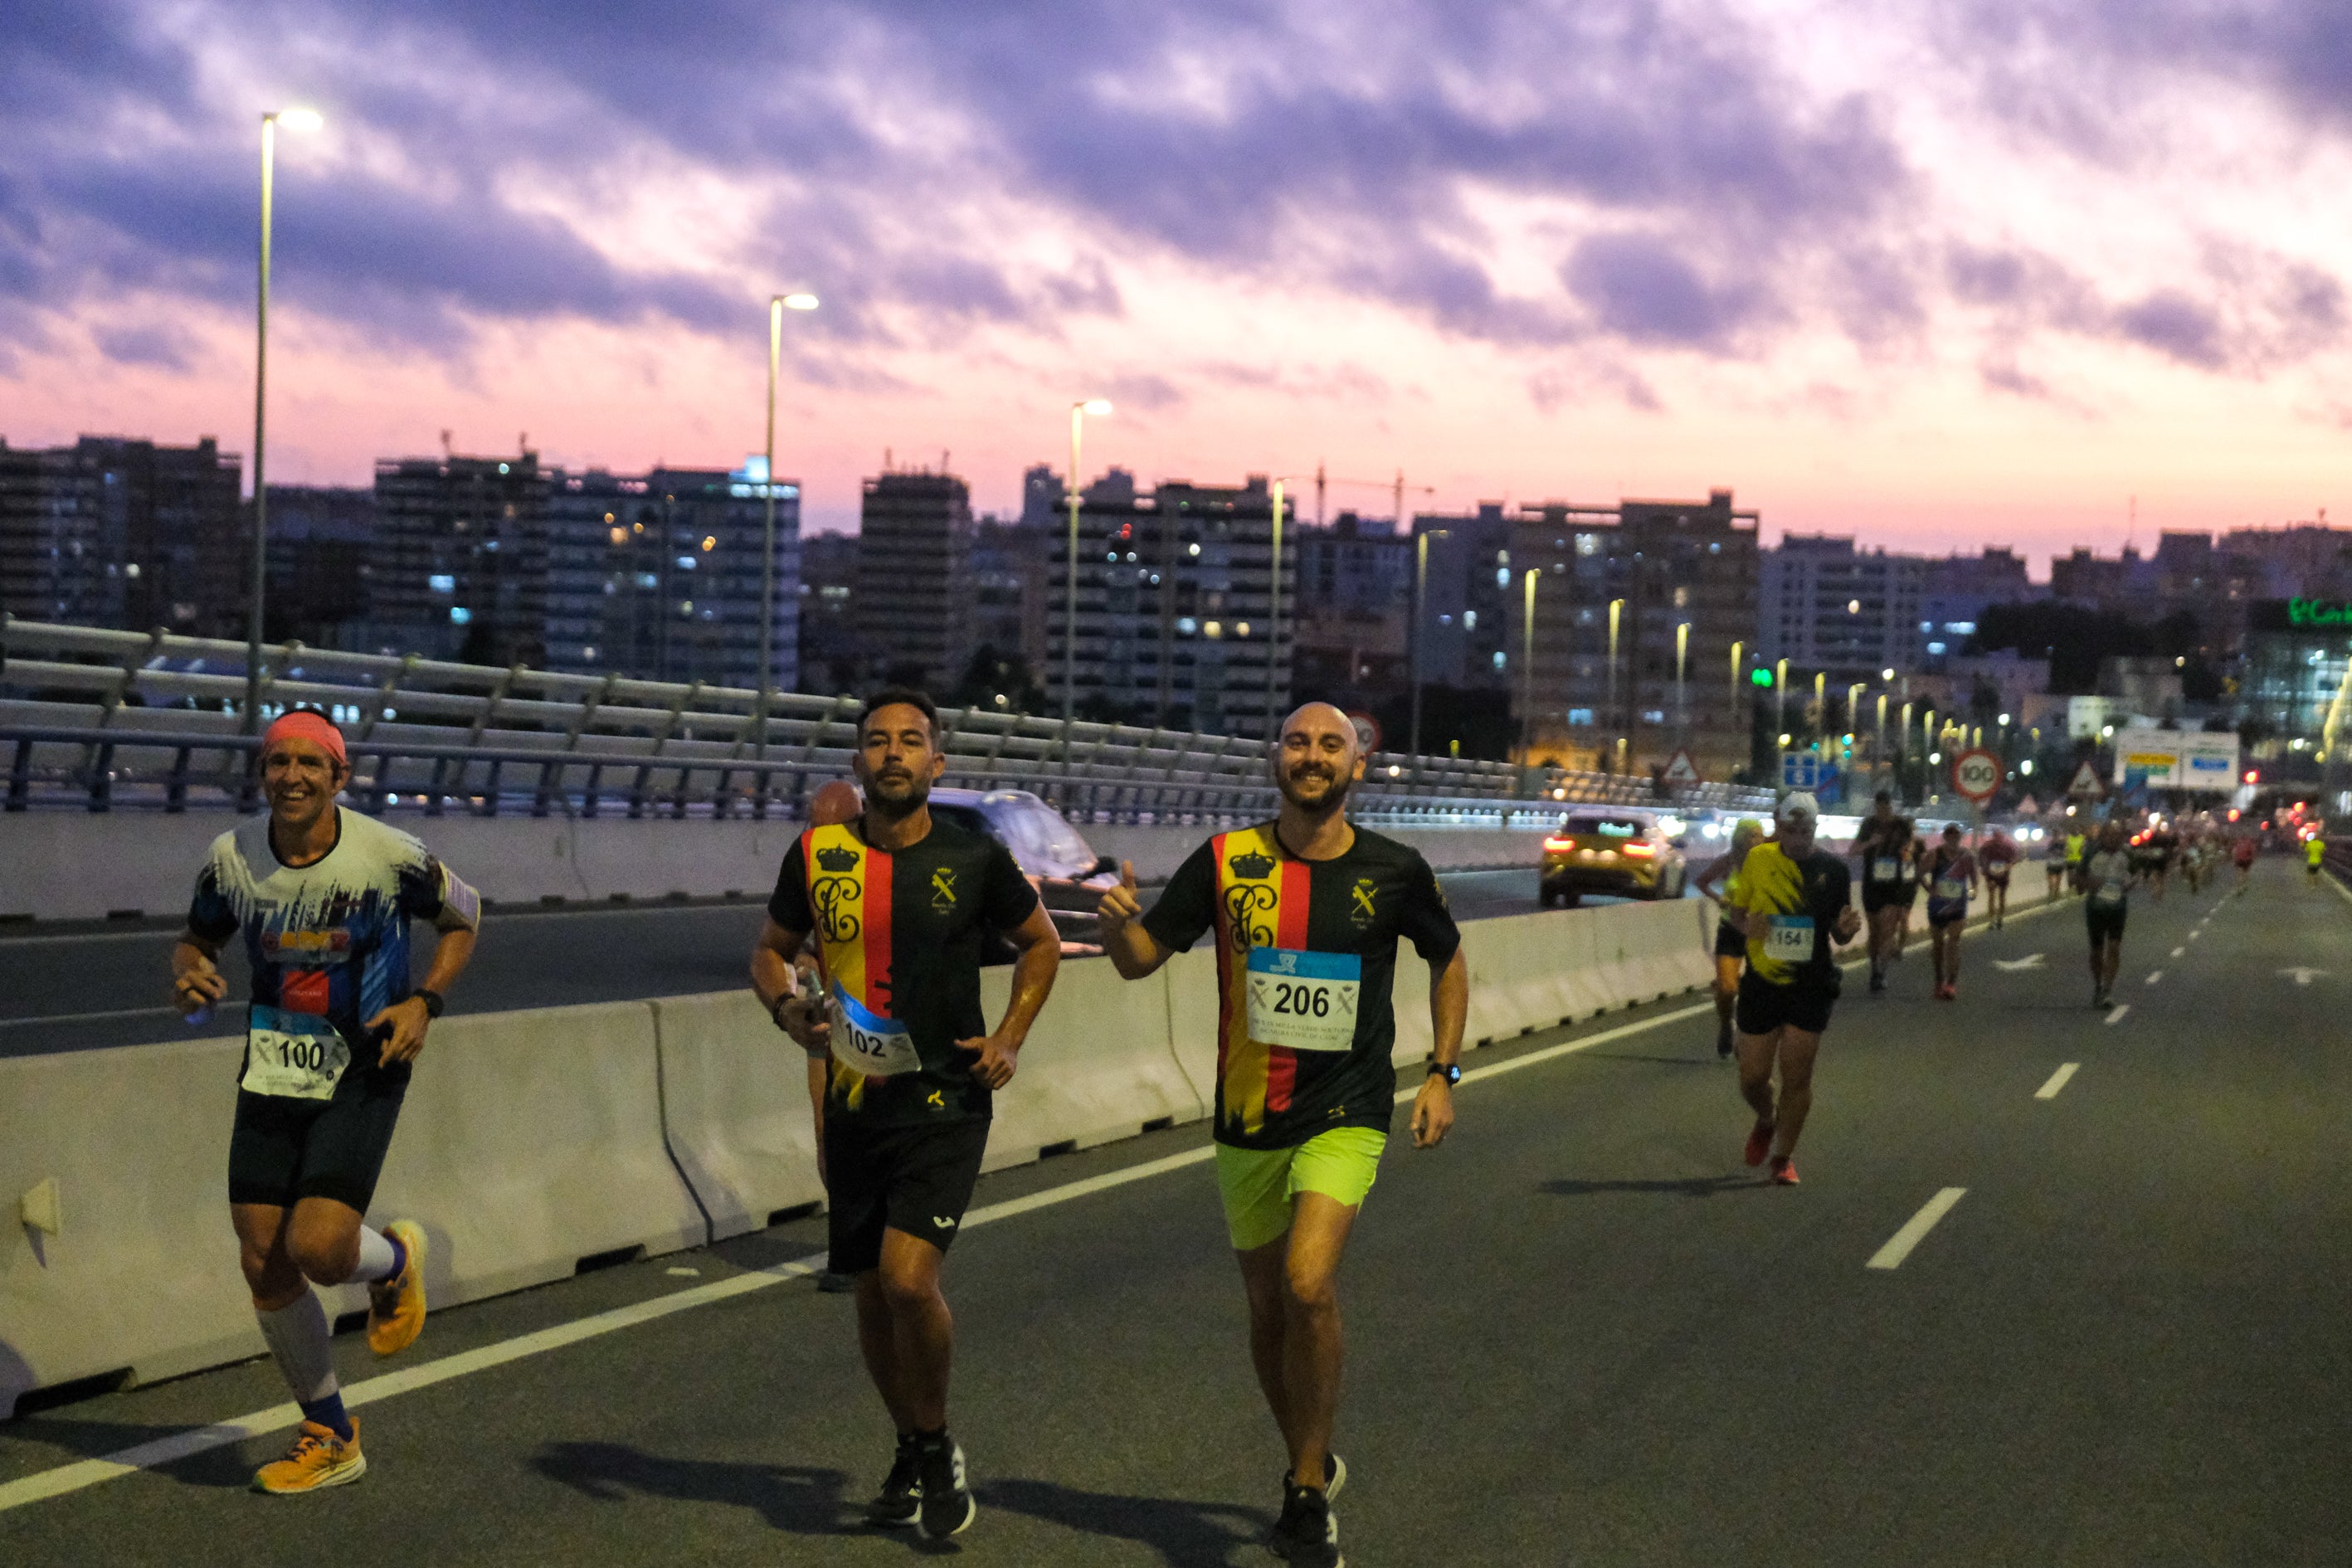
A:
<point x="399" y="1258"/>
<point x="329" y="1412"/>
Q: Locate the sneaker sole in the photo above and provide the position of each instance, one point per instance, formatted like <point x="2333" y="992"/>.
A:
<point x="970" y="1512"/>
<point x="396" y="1340"/>
<point x="341" y="1476"/>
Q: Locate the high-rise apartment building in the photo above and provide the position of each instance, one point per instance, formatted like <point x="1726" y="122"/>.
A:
<point x="1638" y="607"/>
<point x="125" y="533"/>
<point x="1824" y="605"/>
<point x="1175" y="607"/>
<point x="461" y="559"/>
<point x="322" y="539"/>
<point x="914" y="572"/>
<point x="836" y="652"/>
<point x="1464" y="597"/>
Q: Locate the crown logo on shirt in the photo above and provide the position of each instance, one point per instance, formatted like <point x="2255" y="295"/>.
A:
<point x="1252" y="865"/>
<point x="837" y="858"/>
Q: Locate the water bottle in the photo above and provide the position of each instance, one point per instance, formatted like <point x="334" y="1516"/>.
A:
<point x="200" y="1017"/>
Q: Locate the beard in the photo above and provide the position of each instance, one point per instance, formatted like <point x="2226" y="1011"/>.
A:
<point x="1331" y="795"/>
<point x="897" y="795"/>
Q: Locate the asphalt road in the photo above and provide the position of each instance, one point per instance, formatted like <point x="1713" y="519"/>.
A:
<point x="1580" y="1333"/>
<point x="79" y="989"/>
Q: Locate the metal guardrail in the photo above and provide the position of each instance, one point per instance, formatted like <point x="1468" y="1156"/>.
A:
<point x="109" y="718"/>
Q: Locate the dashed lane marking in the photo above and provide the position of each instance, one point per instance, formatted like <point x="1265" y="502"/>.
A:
<point x="2115" y="1014"/>
<point x="2057" y="1081"/>
<point x="2153" y="976"/>
<point x="1898" y="1246"/>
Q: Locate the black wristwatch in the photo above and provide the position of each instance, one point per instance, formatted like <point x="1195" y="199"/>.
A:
<point x="432" y="1000"/>
<point x="1450" y="1071"/>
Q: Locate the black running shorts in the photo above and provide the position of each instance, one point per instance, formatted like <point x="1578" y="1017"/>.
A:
<point x="283" y="1150"/>
<point x="1764" y="1007"/>
<point x="1877" y="896"/>
<point x="915" y="1179"/>
<point x="1728" y="942"/>
<point x="2105" y="921"/>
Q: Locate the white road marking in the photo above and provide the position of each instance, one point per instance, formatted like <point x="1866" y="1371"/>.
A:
<point x="87" y="1018"/>
<point x="2178" y="950"/>
<point x="1898" y="1246"/>
<point x="2302" y="975"/>
<point x="683" y="1273"/>
<point x="2116" y="1015"/>
<point x="2030" y="961"/>
<point x="2198" y="933"/>
<point x="2153" y="976"/>
<point x="2057" y="1081"/>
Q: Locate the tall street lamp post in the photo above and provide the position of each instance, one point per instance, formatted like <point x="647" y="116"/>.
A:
<point x="1098" y="408"/>
<point x="1781" y="698"/>
<point x="1682" y="682"/>
<point x="1527" y="670"/>
<point x="293" y="120"/>
<point x="1616" y="720"/>
<point x="1273" y="615"/>
<point x="777" y="305"/>
<point x="1420" y="603"/>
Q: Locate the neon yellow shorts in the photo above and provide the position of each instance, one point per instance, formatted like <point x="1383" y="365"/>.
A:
<point x="1258" y="1184"/>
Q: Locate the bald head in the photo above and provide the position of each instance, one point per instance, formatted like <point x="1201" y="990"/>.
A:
<point x="1320" y="719"/>
<point x="1319" y="756"/>
<point x="833" y="805"/>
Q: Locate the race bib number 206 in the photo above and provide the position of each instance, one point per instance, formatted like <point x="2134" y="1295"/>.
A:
<point x="1304" y="1001"/>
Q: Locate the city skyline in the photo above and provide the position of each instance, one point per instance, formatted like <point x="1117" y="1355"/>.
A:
<point x="1983" y="278"/>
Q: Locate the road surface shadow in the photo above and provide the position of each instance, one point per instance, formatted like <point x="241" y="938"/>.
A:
<point x="1683" y="1187"/>
<point x="794" y="1498"/>
<point x="1186" y="1535"/>
<point x="1710" y="1061"/>
<point x="230" y="1466"/>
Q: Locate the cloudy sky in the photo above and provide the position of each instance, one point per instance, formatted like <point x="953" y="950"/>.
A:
<point x="1936" y="272"/>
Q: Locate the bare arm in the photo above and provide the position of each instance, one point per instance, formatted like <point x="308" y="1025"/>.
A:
<point x="195" y="980"/>
<point x="1709" y="882"/>
<point x="776" y="982"/>
<point x="1133" y="951"/>
<point x="1449" y="1010"/>
<point x="1033" y="981"/>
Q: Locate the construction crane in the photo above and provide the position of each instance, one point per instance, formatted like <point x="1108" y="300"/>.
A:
<point x="1396" y="488"/>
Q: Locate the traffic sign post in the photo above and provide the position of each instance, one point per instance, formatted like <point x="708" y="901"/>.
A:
<point x="1682" y="770"/>
<point x="1801" y="769"/>
<point x="1976" y="774"/>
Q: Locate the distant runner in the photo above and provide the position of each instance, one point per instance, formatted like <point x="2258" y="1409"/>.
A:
<point x="2108" y="876"/>
<point x="2242" y="852"/>
<point x="1950" y="875"/>
<point x="2315" y="855"/>
<point x="2053" y="865"/>
<point x="2076" y="846"/>
<point x="1883" y="844"/>
<point x="1720" y="882"/>
<point x="1999" y="855"/>
<point x="1795" y="901"/>
<point x="324" y="896"/>
<point x="1308" y="910"/>
<point x="1915" y="861"/>
<point x="901" y="903"/>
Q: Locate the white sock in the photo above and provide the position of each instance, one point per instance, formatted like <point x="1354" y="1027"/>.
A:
<point x="302" y="1345"/>
<point x="379" y="1259"/>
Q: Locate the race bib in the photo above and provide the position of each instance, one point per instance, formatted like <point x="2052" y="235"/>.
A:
<point x="1304" y="1001"/>
<point x="868" y="1043"/>
<point x="1791" y="939"/>
<point x="1885" y="869"/>
<point x="2108" y="893"/>
<point x="1950" y="889"/>
<point x="292" y="1056"/>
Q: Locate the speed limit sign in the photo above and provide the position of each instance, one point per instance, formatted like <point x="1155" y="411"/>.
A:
<point x="1976" y="774"/>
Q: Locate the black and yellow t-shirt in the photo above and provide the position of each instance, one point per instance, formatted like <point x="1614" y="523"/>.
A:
<point x="900" y="937"/>
<point x="1306" y="969"/>
<point x="1803" y="897"/>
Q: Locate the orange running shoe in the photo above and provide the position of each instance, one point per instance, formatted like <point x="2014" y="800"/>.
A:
<point x="396" y="1306"/>
<point x="1784" y="1171"/>
<point x="318" y="1458"/>
<point x="1760" y="1143"/>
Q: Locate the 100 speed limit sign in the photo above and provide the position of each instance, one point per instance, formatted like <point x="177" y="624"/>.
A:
<point x="1976" y="774"/>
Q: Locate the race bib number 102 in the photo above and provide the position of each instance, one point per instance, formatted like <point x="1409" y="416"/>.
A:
<point x="868" y="1043"/>
<point x="1304" y="1001"/>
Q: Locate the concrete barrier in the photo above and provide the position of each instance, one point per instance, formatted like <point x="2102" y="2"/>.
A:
<point x="735" y="1106"/>
<point x="1100" y="1065"/>
<point x="140" y="1279"/>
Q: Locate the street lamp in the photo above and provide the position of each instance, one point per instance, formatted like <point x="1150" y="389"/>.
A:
<point x="1616" y="610"/>
<point x="1681" y="683"/>
<point x="1273" y="616"/>
<point x="777" y="305"/>
<point x="1420" y="598"/>
<point x="1100" y="407"/>
<point x="1780" y="698"/>
<point x="1527" y="669"/>
<point x="293" y="120"/>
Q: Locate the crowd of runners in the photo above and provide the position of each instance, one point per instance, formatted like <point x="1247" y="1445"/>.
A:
<point x="869" y="961"/>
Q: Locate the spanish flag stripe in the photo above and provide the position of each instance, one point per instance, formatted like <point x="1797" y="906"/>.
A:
<point x="1296" y="879"/>
<point x="875" y="934"/>
<point x="1246" y="1062"/>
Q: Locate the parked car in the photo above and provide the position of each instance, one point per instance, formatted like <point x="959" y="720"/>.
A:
<point x="1610" y="850"/>
<point x="1069" y="877"/>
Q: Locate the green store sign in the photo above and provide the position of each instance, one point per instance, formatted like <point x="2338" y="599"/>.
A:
<point x="2318" y="613"/>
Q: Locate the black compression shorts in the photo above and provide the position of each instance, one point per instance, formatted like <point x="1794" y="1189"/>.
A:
<point x="1728" y="942"/>
<point x="2105" y="921"/>
<point x="283" y="1150"/>
<point x="915" y="1179"/>
<point x="1764" y="1007"/>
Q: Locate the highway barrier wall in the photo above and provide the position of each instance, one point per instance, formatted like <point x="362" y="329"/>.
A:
<point x="534" y="1142"/>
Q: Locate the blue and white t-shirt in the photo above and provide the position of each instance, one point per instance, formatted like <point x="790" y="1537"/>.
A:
<point x="330" y="938"/>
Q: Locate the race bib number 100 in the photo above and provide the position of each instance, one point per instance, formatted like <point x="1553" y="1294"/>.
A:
<point x="293" y="1056"/>
<point x="1304" y="1001"/>
<point x="868" y="1043"/>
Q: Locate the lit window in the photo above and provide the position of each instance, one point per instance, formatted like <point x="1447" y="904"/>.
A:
<point x="459" y="615"/>
<point x="686" y="563"/>
<point x="618" y="535"/>
<point x="1195" y="549"/>
<point x="1187" y="625"/>
<point x="1241" y="629"/>
<point x="442" y="583"/>
<point x="1580" y="717"/>
<point x="1588" y="545"/>
<point x="1935" y="647"/>
<point x="1498" y="658"/>
<point x="1212" y="629"/>
<point x="1502" y="576"/>
<point x="588" y="652"/>
<point x="710" y="542"/>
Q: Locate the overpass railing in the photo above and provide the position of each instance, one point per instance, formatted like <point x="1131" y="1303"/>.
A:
<point x="103" y="719"/>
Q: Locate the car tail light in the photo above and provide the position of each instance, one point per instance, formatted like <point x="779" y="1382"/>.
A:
<point x="1559" y="842"/>
<point x="1639" y="850"/>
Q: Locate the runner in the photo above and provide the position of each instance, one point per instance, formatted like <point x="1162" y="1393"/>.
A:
<point x="833" y="805"/>
<point x="1915" y="862"/>
<point x="2315" y="855"/>
<point x="901" y="903"/>
<point x="2242" y="852"/>
<point x="2108" y="876"/>
<point x="1997" y="856"/>
<point x="324" y="896"/>
<point x="1880" y="845"/>
<point x="2053" y="865"/>
<point x="2163" y="844"/>
<point x="1950" y="875"/>
<point x="1308" y="912"/>
<point x="1720" y="882"/>
<point x="1794" y="899"/>
<point x="2077" y="846"/>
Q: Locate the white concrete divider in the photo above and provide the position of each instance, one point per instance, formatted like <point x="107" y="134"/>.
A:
<point x="1667" y="946"/>
<point x="531" y="1142"/>
<point x="1512" y="977"/>
<point x="735" y="1105"/>
<point x="141" y="1276"/>
<point x="1100" y="1063"/>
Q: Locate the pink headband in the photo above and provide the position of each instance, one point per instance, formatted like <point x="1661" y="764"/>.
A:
<point x="305" y="724"/>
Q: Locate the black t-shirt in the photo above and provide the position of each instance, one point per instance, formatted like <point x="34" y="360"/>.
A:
<point x="1306" y="973"/>
<point x="1804" y="898"/>
<point x="899" y="934"/>
<point x="1875" y="841"/>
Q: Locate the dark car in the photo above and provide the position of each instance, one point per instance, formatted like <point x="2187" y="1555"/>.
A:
<point x="1069" y="877"/>
<point x="1620" y="851"/>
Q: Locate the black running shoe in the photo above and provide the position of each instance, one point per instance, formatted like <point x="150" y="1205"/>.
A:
<point x="948" y="1507"/>
<point x="1307" y="1534"/>
<point x="1877" y="981"/>
<point x="1335" y="1476"/>
<point x="1723" y="1042"/>
<point x="900" y="1497"/>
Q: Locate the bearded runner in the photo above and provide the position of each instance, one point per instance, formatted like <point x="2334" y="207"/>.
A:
<point x="1308" y="912"/>
<point x="902" y="905"/>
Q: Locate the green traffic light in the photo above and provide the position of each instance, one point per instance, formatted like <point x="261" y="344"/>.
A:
<point x="1760" y="677"/>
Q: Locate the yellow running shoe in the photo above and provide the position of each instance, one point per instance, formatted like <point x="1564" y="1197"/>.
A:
<point x="318" y="1458"/>
<point x="396" y="1306"/>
